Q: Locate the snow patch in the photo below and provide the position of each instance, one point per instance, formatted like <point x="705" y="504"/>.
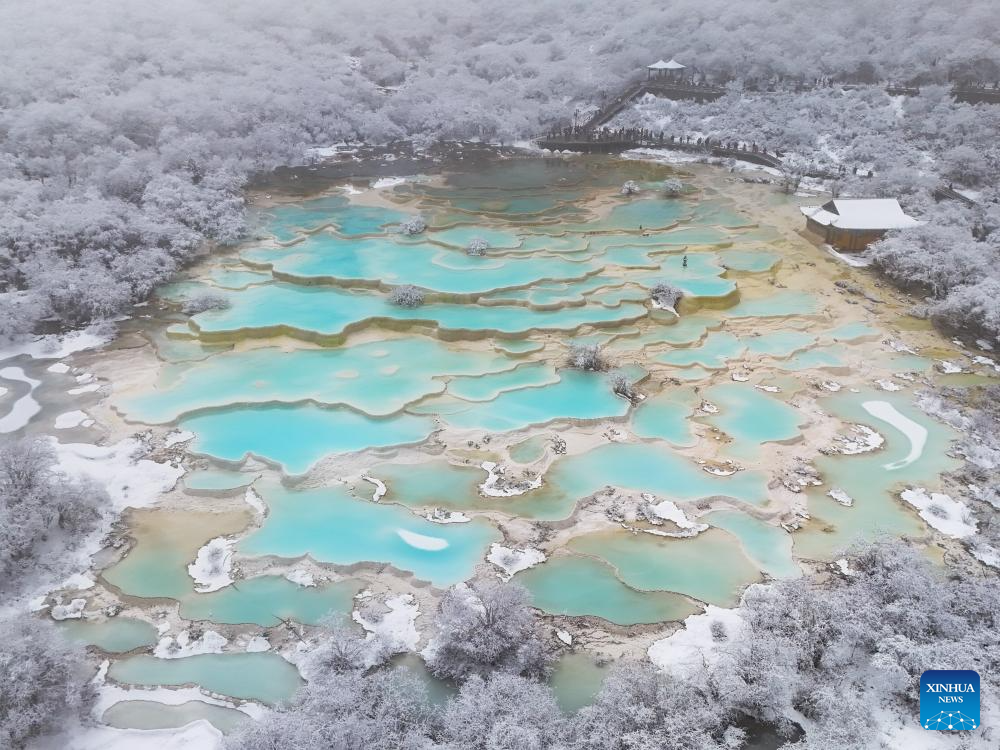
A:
<point x="130" y="482"/>
<point x="396" y="630"/>
<point x="668" y="511"/>
<point x="251" y="498"/>
<point x="177" y="648"/>
<point x="301" y="578"/>
<point x="565" y="637"/>
<point x="177" y="437"/>
<point x="863" y="440"/>
<point x="71" y="611"/>
<point x="887" y="385"/>
<point x="948" y="368"/>
<point x="72" y="419"/>
<point x="440" y="515"/>
<point x="694" y="648"/>
<point x="258" y="644"/>
<point x="512" y="561"/>
<point x="496" y="486"/>
<point x="841" y="497"/>
<point x="212" y="567"/>
<point x="59" y="368"/>
<point x="380" y="488"/>
<point x="55" y="346"/>
<point x="950" y="517"/>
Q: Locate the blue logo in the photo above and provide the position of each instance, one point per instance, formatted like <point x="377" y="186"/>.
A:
<point x="949" y="699"/>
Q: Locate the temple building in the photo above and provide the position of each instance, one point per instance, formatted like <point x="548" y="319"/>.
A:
<point x="856" y="223"/>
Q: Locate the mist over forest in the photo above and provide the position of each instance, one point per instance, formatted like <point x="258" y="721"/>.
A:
<point x="128" y="130"/>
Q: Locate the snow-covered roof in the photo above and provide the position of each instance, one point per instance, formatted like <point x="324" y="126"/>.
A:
<point x="671" y="64"/>
<point x="861" y="213"/>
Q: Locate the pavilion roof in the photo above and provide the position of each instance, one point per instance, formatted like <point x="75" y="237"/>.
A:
<point x="861" y="213"/>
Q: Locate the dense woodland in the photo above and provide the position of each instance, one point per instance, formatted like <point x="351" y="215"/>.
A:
<point x="127" y="130"/>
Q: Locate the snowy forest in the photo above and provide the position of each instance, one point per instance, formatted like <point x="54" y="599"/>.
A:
<point x="125" y="149"/>
<point x="130" y="131"/>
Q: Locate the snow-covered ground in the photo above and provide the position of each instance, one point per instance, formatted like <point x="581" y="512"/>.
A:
<point x="951" y="517"/>
<point x="130" y="481"/>
<point x="512" y="561"/>
<point x="694" y="647"/>
<point x="212" y="568"/>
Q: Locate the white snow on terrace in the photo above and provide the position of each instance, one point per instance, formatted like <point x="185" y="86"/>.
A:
<point x="986" y="554"/>
<point x="950" y="517"/>
<point x="887" y="385"/>
<point x="512" y="561"/>
<point x="709" y="408"/>
<point x="177" y="437"/>
<point x="212" y="568"/>
<point x="861" y="214"/>
<point x="495" y="473"/>
<point x="301" y="577"/>
<point x="855" y="261"/>
<point x="668" y="511"/>
<point x="898" y="346"/>
<point x="198" y="735"/>
<point x="59" y="346"/>
<point x="694" y="648"/>
<point x="251" y="498"/>
<point x="177" y="648"/>
<point x="440" y="515"/>
<point x="71" y="611"/>
<point x="396" y="630"/>
<point x="387" y="182"/>
<point x="981" y="360"/>
<point x="380" y="488"/>
<point x="77" y="582"/>
<point x="59" y="368"/>
<point x="130" y="481"/>
<point x="73" y="419"/>
<point x="25" y="407"/>
<point x="89" y="388"/>
<point x="844" y="566"/>
<point x="422" y="541"/>
<point x="948" y="368"/>
<point x="565" y="637"/>
<point x="740" y="376"/>
<point x="841" y="497"/>
<point x="257" y="644"/>
<point x="915" y="433"/>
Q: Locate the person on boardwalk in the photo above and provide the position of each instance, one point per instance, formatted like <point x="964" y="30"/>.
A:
<point x="684" y="262"/>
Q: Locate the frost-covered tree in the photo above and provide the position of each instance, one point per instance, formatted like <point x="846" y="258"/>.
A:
<point x="45" y="681"/>
<point x="672" y="187"/>
<point x="205" y="301"/>
<point x="413" y="225"/>
<point x="639" y="706"/>
<point x="477" y="246"/>
<point x="42" y="514"/>
<point x="666" y="295"/>
<point x="384" y="710"/>
<point x="630" y="187"/>
<point x="622" y="385"/>
<point x="587" y="357"/>
<point x="503" y="712"/>
<point x="486" y="626"/>
<point x="406" y="295"/>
